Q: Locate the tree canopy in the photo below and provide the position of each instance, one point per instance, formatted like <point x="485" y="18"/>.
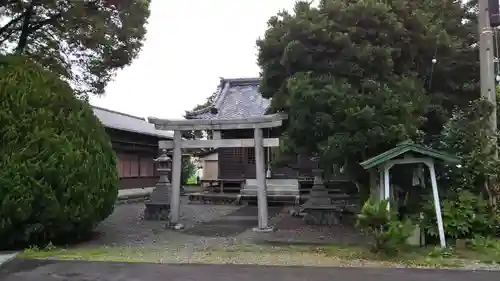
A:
<point x="84" y="41"/>
<point x="358" y="76"/>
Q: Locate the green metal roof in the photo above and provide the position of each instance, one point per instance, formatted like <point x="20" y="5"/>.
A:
<point x="408" y="146"/>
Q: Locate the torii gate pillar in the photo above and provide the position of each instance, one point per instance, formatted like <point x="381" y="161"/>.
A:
<point x="258" y="142"/>
<point x="175" y="203"/>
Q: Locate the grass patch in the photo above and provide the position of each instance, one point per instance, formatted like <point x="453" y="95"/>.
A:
<point x="330" y="255"/>
<point x="192" y="180"/>
<point x="128" y="254"/>
<point x="408" y="257"/>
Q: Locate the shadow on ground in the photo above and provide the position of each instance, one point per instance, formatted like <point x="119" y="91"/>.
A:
<point x="231" y="224"/>
<point x="20" y="265"/>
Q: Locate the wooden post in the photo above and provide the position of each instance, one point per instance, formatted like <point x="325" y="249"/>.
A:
<point x="387" y="190"/>
<point x="261" y="181"/>
<point x="373" y="183"/>
<point x="176" y="179"/>
<point x="381" y="184"/>
<point x="437" y="204"/>
<point x="216" y="135"/>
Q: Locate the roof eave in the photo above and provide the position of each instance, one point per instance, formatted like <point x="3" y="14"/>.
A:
<point x="402" y="149"/>
<point x="196" y="113"/>
<point x="139" y="132"/>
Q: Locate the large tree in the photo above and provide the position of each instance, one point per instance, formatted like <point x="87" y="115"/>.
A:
<point x="356" y="77"/>
<point x="83" y="41"/>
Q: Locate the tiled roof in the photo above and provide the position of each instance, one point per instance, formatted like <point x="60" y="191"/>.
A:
<point x="129" y="123"/>
<point x="236" y="99"/>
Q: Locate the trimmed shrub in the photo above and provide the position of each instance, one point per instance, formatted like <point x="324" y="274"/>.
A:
<point x="388" y="233"/>
<point x="58" y="176"/>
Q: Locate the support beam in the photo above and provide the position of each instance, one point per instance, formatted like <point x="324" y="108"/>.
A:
<point x="261" y="181"/>
<point x="381" y="184"/>
<point x="216" y="135"/>
<point x="373" y="183"/>
<point x="410" y="160"/>
<point x="267" y="121"/>
<point x="387" y="186"/>
<point x="168" y="127"/>
<point x="216" y="143"/>
<point x="176" y="179"/>
<point x="437" y="204"/>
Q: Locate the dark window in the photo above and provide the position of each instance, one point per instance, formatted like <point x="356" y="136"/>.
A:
<point x="237" y="152"/>
<point x="250" y="155"/>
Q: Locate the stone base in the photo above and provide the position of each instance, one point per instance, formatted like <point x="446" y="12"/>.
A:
<point x="263" y="230"/>
<point x="156" y="211"/>
<point x="214" y="198"/>
<point x="322" y="216"/>
<point x="174" y="226"/>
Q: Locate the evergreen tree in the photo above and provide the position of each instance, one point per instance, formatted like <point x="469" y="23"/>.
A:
<point x="356" y="77"/>
<point x="83" y="41"/>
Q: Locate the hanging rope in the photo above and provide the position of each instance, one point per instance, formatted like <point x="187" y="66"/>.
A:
<point x="434" y="60"/>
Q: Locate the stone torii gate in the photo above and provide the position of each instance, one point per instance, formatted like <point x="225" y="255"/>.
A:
<point x="217" y="125"/>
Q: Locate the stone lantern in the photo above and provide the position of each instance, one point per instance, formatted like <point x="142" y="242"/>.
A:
<point x="158" y="206"/>
<point x="319" y="208"/>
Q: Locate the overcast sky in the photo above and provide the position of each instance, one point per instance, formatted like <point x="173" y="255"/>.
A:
<point x="188" y="46"/>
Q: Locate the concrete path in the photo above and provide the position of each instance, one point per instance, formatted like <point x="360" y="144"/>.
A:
<point x="5" y="257"/>
<point x="21" y="270"/>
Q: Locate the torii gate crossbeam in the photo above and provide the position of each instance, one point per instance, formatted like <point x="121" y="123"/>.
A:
<point x="216" y="125"/>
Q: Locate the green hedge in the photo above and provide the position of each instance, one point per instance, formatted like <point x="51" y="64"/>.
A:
<point x="58" y="176"/>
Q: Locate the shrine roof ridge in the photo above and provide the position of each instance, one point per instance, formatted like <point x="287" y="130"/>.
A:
<point x="236" y="98"/>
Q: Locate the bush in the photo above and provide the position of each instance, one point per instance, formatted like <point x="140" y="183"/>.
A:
<point x="58" y="176"/>
<point x="467" y="135"/>
<point x="388" y="233"/>
<point x="188" y="170"/>
<point x="465" y="215"/>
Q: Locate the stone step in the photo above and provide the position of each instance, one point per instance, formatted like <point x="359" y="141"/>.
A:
<point x="274" y="187"/>
<point x="214" y="198"/>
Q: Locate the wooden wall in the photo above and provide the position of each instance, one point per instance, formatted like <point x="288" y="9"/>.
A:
<point x="239" y="162"/>
<point x="135" y="158"/>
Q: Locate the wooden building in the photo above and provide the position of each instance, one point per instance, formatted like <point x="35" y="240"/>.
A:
<point x="135" y="142"/>
<point x="209" y="162"/>
<point x="241" y="99"/>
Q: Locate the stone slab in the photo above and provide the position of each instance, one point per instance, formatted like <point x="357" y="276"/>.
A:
<point x="322" y="217"/>
<point x="156" y="211"/>
<point x="134" y="192"/>
<point x="326" y="207"/>
<point x="4" y="258"/>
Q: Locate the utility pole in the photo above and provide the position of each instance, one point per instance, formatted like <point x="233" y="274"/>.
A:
<point x="488" y="19"/>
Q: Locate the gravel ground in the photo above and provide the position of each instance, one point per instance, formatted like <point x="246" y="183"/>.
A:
<point x="126" y="227"/>
<point x="293" y="230"/>
<point x="127" y="230"/>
